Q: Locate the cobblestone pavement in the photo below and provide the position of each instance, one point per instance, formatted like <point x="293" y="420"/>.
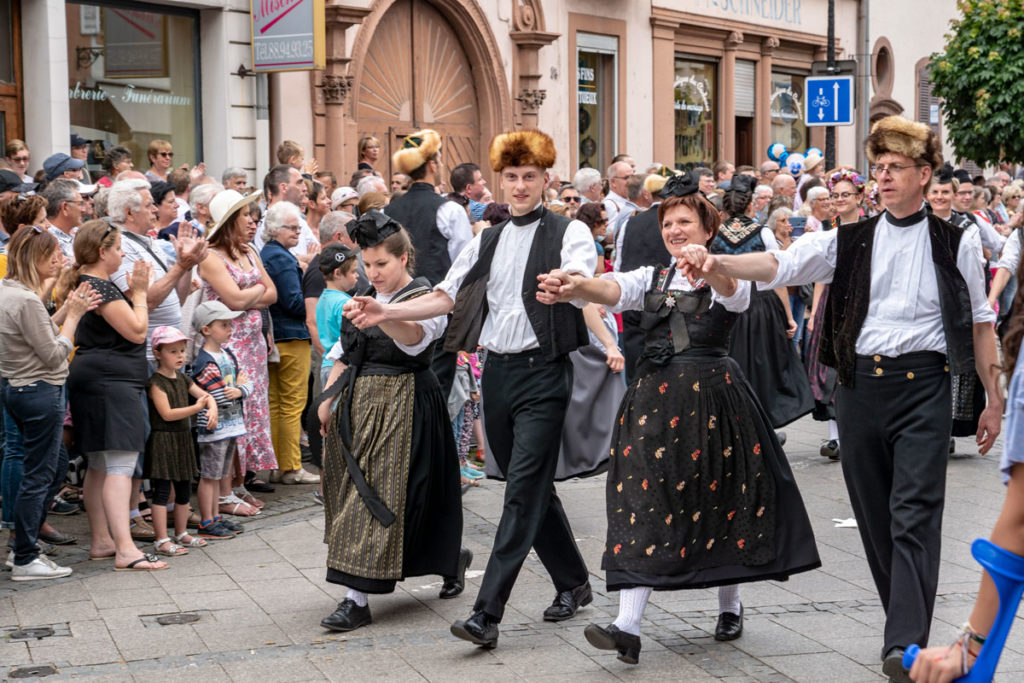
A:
<point x="259" y="598"/>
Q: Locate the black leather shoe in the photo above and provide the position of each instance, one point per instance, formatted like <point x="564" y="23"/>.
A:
<point x="611" y="638"/>
<point x="259" y="486"/>
<point x="348" y="617"/>
<point x="781" y="436"/>
<point x="730" y="626"/>
<point x="567" y="602"/>
<point x="830" y="449"/>
<point x="892" y="666"/>
<point x="57" y="538"/>
<point x="480" y="629"/>
<point x="453" y="585"/>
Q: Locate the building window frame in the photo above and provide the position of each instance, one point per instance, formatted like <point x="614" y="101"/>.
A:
<point x="714" y="104"/>
<point x="596" y="34"/>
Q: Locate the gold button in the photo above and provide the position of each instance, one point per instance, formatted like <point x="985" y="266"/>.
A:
<point x="878" y="371"/>
<point x="878" y="358"/>
<point x="946" y="368"/>
<point x="910" y="375"/>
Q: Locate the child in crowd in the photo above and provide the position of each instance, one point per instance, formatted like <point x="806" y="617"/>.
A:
<point x="338" y="265"/>
<point x="170" y="457"/>
<point x="215" y="369"/>
<point x="463" y="408"/>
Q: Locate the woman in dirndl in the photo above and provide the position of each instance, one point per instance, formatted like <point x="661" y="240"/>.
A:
<point x="699" y="493"/>
<point x="392" y="498"/>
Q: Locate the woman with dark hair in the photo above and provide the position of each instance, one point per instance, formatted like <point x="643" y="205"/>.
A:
<point x="165" y="205"/>
<point x="594" y="216"/>
<point x="233" y="274"/>
<point x="116" y="160"/>
<point x="699" y="492"/>
<point x="761" y="339"/>
<point x="495" y="213"/>
<point x="319" y="204"/>
<point x="392" y="497"/>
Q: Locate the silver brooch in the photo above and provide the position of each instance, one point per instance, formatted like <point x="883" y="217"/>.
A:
<point x="670" y="301"/>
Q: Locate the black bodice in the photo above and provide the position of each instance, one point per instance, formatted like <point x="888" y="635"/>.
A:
<point x="682" y="324"/>
<point x="376" y="353"/>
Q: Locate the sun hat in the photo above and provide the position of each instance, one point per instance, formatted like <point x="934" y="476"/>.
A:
<point x="224" y="204"/>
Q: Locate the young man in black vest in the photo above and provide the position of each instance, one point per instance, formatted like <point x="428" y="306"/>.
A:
<point x="439" y="228"/>
<point x="907" y="311"/>
<point x="491" y="290"/>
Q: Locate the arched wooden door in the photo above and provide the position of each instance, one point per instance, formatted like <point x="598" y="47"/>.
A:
<point x="416" y="75"/>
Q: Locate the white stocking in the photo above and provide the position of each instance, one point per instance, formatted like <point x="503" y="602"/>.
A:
<point x="729" y="599"/>
<point x="833" y="431"/>
<point x="632" y="603"/>
<point x="357" y="597"/>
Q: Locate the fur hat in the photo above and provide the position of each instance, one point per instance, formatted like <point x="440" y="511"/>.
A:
<point x="897" y="135"/>
<point x="522" y="148"/>
<point x="654" y="182"/>
<point x="417" y="149"/>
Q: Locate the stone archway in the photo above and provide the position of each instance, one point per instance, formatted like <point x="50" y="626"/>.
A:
<point x="429" y="64"/>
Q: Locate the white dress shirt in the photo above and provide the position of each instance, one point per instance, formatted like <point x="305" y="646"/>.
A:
<point x="620" y="234"/>
<point x="306" y="237"/>
<point x="432" y="329"/>
<point x="635" y="283"/>
<point x="507" y="328"/>
<point x="613" y="204"/>
<point x="453" y="224"/>
<point x="904" y="313"/>
<point x="1010" y="258"/>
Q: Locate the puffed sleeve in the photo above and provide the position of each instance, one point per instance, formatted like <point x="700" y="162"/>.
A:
<point x="740" y="299"/>
<point x="634" y="284"/>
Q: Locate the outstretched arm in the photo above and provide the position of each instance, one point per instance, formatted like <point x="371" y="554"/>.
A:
<point x="365" y="311"/>
<point x="560" y="286"/>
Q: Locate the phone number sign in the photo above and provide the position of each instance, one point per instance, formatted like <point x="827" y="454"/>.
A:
<point x="287" y="35"/>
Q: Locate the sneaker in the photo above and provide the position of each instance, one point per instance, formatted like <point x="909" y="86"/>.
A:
<point x="216" y="531"/>
<point x="233" y="527"/>
<point x="40" y="568"/>
<point x="10" y="560"/>
<point x="830" y="449"/>
<point x="59" y="506"/>
<point x="299" y="476"/>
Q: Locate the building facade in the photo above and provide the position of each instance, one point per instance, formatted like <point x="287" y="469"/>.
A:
<point x="678" y="82"/>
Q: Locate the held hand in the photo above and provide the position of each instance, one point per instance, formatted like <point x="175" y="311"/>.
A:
<point x="364" y="312"/>
<point x="989" y="424"/>
<point x="695" y="262"/>
<point x="938" y="664"/>
<point x="615" y="360"/>
<point x="141" y="272"/>
<point x="554" y="287"/>
<point x="211" y="415"/>
<point x="197" y="171"/>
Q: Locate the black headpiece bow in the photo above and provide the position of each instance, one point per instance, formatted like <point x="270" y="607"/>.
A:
<point x="962" y="176"/>
<point x="680" y="185"/>
<point x="742" y="183"/>
<point x="372" y="228"/>
<point x="944" y="176"/>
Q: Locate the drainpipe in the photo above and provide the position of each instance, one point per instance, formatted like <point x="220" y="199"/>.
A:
<point x="262" y="128"/>
<point x="864" y="67"/>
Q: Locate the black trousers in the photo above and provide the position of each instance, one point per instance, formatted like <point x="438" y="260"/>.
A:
<point x="525" y="397"/>
<point x="894" y="426"/>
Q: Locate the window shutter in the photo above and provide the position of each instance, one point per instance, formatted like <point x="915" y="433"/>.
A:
<point x="744" y="90"/>
<point x="927" y="103"/>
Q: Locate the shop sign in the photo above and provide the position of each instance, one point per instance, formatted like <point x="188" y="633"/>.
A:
<point x="134" y="45"/>
<point x="287" y="35"/>
<point x="692" y="84"/>
<point x="128" y="93"/>
<point x="785" y="104"/>
<point x="779" y="12"/>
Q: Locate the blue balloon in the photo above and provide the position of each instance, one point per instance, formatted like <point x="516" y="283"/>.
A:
<point x="814" y="150"/>
<point x="782" y="158"/>
<point x="776" y="151"/>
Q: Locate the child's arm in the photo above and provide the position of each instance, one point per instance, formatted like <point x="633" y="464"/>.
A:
<point x="163" y="406"/>
<point x="207" y="401"/>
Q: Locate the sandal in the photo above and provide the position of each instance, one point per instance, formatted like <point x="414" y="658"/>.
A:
<point x="196" y="542"/>
<point x="233" y="505"/>
<point x="146" y="557"/>
<point x="248" y="498"/>
<point x="466" y="481"/>
<point x="172" y="550"/>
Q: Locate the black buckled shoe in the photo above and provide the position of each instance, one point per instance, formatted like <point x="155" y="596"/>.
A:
<point x="480" y="629"/>
<point x="453" y="585"/>
<point x="348" y="617"/>
<point x="892" y="666"/>
<point x="611" y="638"/>
<point x="730" y="626"/>
<point x="567" y="602"/>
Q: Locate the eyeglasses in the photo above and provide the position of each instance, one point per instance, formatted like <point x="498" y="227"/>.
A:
<point x="169" y="155"/>
<point x="619" y="177"/>
<point x="571" y="199"/>
<point x="37" y="229"/>
<point x="891" y="169"/>
<point x="21" y="160"/>
<point x="296" y="228"/>
<point x="965" y="193"/>
<point x="843" y="195"/>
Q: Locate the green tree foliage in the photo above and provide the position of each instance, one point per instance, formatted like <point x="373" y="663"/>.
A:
<point x="980" y="79"/>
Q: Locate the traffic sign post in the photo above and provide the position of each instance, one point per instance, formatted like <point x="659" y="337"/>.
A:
<point x="828" y="101"/>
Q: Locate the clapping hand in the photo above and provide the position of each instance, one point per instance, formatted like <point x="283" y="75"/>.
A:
<point x="142" y="270"/>
<point x="81" y="300"/>
<point x="191" y="249"/>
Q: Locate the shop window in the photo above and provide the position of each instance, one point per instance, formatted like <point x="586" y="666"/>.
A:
<point x="786" y="106"/>
<point x="695" y="91"/>
<point x="597" y="99"/>
<point x="10" y="72"/>
<point x="133" y="78"/>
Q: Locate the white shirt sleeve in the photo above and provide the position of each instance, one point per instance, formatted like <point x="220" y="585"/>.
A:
<point x="812" y="258"/>
<point x="969" y="261"/>
<point x="634" y="284"/>
<point x="453" y="223"/>
<point x="740" y="299"/>
<point x="432" y="329"/>
<point x="990" y="238"/>
<point x="465" y="260"/>
<point x="768" y="237"/>
<point x="1010" y="258"/>
<point x="337" y="352"/>
<point x="578" y="252"/>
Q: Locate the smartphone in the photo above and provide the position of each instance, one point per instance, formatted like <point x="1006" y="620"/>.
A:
<point x="799" y="225"/>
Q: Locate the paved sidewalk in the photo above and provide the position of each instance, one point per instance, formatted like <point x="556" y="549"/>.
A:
<point x="259" y="599"/>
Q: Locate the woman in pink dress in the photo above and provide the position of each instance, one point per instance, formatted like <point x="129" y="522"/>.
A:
<point x="233" y="274"/>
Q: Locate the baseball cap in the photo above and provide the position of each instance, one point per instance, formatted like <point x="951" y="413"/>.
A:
<point x="209" y="311"/>
<point x="77" y="140"/>
<point x="12" y="182"/>
<point x="342" y="195"/>
<point x="87" y="189"/>
<point x="166" y="335"/>
<point x="56" y="164"/>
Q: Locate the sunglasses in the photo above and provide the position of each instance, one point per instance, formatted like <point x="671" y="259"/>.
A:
<point x="575" y="200"/>
<point x="169" y="155"/>
<point x="20" y="160"/>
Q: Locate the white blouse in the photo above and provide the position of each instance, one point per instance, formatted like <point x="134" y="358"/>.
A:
<point x="635" y="283"/>
<point x="507" y="328"/>
<point x="904" y="315"/>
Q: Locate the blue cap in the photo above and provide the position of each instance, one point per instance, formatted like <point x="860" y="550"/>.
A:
<point x="56" y="164"/>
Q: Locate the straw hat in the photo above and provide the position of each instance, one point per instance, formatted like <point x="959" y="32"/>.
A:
<point x="224" y="204"/>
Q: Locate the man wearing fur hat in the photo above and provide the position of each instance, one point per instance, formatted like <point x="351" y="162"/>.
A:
<point x="439" y="228"/>
<point x="492" y="288"/>
<point x="907" y="311"/>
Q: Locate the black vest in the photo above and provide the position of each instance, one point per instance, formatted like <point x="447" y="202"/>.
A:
<point x="559" y="328"/>
<point x="416" y="210"/>
<point x="850" y="294"/>
<point x="376" y="352"/>
<point x="642" y="244"/>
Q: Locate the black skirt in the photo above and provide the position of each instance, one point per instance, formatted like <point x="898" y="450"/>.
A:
<point x="432" y="517"/>
<point x="106" y="392"/>
<point x="699" y="492"/>
<point x="770" y="361"/>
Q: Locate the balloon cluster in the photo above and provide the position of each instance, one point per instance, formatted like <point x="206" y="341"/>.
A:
<point x="793" y="161"/>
